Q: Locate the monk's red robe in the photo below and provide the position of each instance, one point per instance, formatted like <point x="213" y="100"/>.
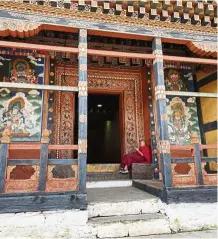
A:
<point x="128" y="159"/>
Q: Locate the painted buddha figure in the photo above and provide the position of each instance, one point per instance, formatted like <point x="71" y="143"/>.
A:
<point x="178" y="117"/>
<point x="178" y="123"/>
<point x="22" y="73"/>
<point x="173" y="80"/>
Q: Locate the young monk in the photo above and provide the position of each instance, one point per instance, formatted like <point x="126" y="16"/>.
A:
<point x="142" y="155"/>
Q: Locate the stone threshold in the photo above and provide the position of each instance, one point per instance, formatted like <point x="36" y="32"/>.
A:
<point x="109" y="184"/>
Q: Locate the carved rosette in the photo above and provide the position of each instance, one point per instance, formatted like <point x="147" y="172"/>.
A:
<point x="83" y="118"/>
<point x="83" y="33"/>
<point x="160" y="92"/>
<point x="83" y="67"/>
<point x="164" y="146"/>
<point x="82" y="49"/>
<point x="82" y="143"/>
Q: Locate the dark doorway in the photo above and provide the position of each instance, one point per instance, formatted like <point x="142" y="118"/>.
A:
<point x="103" y="129"/>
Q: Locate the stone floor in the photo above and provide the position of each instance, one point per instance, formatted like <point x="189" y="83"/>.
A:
<point x="118" y="194"/>
<point x="212" y="234"/>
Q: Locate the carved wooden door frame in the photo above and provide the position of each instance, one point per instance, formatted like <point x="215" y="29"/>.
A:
<point x="125" y="82"/>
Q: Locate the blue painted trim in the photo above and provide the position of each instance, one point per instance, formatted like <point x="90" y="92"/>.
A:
<point x="109" y="27"/>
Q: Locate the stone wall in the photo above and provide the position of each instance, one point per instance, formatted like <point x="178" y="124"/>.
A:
<point x="74" y="223"/>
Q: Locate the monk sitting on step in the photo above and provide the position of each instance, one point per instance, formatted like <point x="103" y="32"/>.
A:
<point x="142" y="155"/>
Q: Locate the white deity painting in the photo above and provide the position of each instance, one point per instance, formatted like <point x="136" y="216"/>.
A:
<point x="21" y="113"/>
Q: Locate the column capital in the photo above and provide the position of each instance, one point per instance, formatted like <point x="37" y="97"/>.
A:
<point x="194" y="138"/>
<point x="45" y="136"/>
<point x="157" y="45"/>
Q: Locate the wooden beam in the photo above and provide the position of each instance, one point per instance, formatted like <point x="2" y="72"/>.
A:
<point x="26" y="146"/>
<point x="62" y="147"/>
<point x="190" y="60"/>
<point x="105" y="53"/>
<point x="192" y="94"/>
<point x="209" y="146"/>
<point x="181" y="147"/>
<point x="182" y="160"/>
<point x="209" y="159"/>
<point x="63" y="161"/>
<point x="38" y="47"/>
<point x="120" y="54"/>
<point x="23" y="162"/>
<point x="37" y="87"/>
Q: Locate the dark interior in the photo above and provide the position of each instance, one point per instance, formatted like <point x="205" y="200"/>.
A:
<point x="103" y="129"/>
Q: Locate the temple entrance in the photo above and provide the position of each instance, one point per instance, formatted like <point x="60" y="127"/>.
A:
<point x="121" y="92"/>
<point x="104" y="138"/>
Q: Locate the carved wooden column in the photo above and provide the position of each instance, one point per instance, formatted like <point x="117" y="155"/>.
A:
<point x="43" y="160"/>
<point x="160" y="96"/>
<point x="5" y="141"/>
<point x="82" y="84"/>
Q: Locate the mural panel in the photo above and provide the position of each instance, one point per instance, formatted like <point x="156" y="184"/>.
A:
<point x="21" y="109"/>
<point x="182" y="111"/>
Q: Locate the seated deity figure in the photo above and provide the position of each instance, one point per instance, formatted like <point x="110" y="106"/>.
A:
<point x="20" y="119"/>
<point x="22" y="73"/>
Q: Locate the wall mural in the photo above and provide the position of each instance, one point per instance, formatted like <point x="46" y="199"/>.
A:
<point x="21" y="110"/>
<point x="182" y="111"/>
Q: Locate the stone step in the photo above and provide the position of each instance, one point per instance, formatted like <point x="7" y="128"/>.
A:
<point x="120" y="201"/>
<point x="142" y="171"/>
<point x="129" y="225"/>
